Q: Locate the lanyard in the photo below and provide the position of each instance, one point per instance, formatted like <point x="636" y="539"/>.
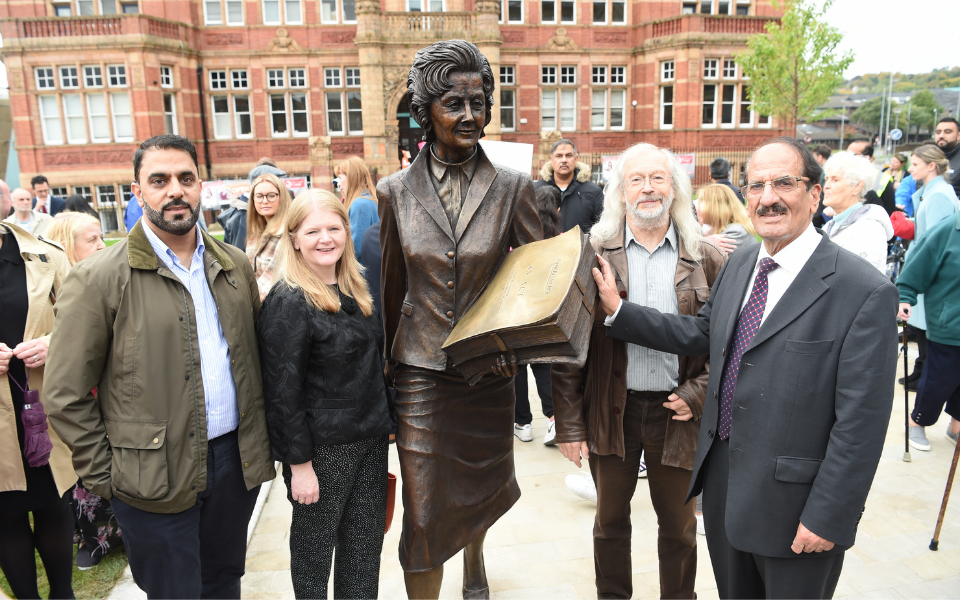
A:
<point x="23" y="388"/>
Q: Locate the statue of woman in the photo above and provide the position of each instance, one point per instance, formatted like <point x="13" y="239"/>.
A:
<point x="447" y="223"/>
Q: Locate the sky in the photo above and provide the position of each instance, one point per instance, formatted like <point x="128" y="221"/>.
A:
<point x="906" y="36"/>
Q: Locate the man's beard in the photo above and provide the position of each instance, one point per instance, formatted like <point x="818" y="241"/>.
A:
<point x="179" y="225"/>
<point x="650" y="219"/>
<point x="948" y="146"/>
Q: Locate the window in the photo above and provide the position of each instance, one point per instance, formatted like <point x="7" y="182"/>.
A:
<point x="425" y="6"/>
<point x="62" y="9"/>
<point x="354" y="113"/>
<point x="746" y="106"/>
<point x="92" y="77"/>
<point x="170" y="113"/>
<point x="331" y="77"/>
<point x="211" y="12"/>
<point x="728" y="102"/>
<point x="548" y="75"/>
<point x="97" y="118"/>
<point x="618" y="75"/>
<point x="221" y="117"/>
<point x="125" y="196"/>
<point x="234" y="12"/>
<point x="508" y="101"/>
<point x="506" y="76"/>
<point x="59" y="192"/>
<point x="328" y="11"/>
<point x="729" y="68"/>
<point x="50" y="120"/>
<point x="666" y="107"/>
<point x="218" y="80"/>
<point x="618" y="102"/>
<point x="291" y="9"/>
<point x="349" y="11"/>
<point x="122" y="119"/>
<point x="688" y="8"/>
<point x="298" y="78"/>
<point x="242" y="119"/>
<point x="45" y="79"/>
<point x="709" y="106"/>
<point x="710" y="68"/>
<point x="548" y="112"/>
<point x="617" y="10"/>
<point x="763" y="121"/>
<point x="667" y="70"/>
<point x="548" y="11"/>
<point x="335" y="114"/>
<point x="706" y="7"/>
<point x="166" y="76"/>
<point x="723" y="7"/>
<point x="129" y="8"/>
<point x="278" y="115"/>
<point x="598" y="109"/>
<point x="353" y="77"/>
<point x="85" y="8"/>
<point x="599" y="75"/>
<point x="109" y="7"/>
<point x="568" y="75"/>
<point x="116" y="76"/>
<point x="73" y="114"/>
<point x="568" y="110"/>
<point x="107" y="208"/>
<point x="275" y="78"/>
<point x="83" y="190"/>
<point x="69" y="79"/>
<point x="239" y="79"/>
<point x="514" y="12"/>
<point x="743" y="7"/>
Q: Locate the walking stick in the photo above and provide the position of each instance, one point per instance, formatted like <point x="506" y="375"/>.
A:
<point x="906" y="399"/>
<point x="935" y="542"/>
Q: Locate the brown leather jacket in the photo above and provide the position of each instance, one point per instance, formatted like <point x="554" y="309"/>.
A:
<point x="431" y="274"/>
<point x="589" y="400"/>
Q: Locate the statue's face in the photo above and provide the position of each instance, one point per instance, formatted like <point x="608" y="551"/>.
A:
<point x="458" y="116"/>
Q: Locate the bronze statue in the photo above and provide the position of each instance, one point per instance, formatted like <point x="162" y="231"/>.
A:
<point x="446" y="223"/>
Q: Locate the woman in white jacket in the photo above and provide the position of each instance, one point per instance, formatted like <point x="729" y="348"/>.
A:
<point x="857" y="227"/>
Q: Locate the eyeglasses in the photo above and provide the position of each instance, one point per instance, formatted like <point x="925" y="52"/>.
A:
<point x="261" y="198"/>
<point x="781" y="185"/>
<point x="640" y="181"/>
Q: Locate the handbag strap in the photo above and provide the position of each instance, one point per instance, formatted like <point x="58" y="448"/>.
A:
<point x="23" y="388"/>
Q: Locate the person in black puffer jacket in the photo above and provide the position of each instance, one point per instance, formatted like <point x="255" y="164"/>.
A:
<point x="581" y="200"/>
<point x="327" y="408"/>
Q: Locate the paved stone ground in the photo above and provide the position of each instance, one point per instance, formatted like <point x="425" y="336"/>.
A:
<point x="542" y="548"/>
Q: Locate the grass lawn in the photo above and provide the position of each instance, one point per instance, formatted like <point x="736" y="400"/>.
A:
<point x="95" y="583"/>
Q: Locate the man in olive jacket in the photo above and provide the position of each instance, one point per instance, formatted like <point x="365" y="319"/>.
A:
<point x="162" y="324"/>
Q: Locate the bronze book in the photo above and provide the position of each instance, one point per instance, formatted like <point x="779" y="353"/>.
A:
<point x="539" y="306"/>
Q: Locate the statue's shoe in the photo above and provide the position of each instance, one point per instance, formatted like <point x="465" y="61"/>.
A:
<point x="477" y="590"/>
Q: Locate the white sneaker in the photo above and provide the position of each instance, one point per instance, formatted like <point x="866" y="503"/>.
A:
<point x="582" y="485"/>
<point x="550" y="439"/>
<point x="524" y="433"/>
<point x="918" y="439"/>
<point x="700" y="529"/>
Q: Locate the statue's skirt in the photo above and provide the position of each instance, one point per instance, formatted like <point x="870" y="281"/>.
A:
<point x="456" y="461"/>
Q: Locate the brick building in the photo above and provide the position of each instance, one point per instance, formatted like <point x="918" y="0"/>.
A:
<point x="309" y="82"/>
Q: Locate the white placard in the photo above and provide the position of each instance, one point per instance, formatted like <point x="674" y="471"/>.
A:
<point x="509" y="154"/>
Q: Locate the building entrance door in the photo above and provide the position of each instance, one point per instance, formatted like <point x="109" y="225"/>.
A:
<point x="410" y="132"/>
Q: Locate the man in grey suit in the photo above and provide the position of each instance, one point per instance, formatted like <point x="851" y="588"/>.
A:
<point x="802" y="337"/>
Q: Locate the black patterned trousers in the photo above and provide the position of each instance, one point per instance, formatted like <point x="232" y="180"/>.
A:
<point x="349" y="517"/>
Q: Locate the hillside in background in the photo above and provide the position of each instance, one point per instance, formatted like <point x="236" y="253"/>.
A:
<point x="877" y="82"/>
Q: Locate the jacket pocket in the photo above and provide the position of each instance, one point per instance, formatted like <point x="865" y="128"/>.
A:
<point x="139" y="458"/>
<point x="797" y="470"/>
<point x="802" y="347"/>
<point x="129" y="368"/>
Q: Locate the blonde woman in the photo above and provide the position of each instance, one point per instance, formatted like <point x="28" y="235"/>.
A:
<point x="328" y="412"/>
<point x="356" y="187"/>
<point x="719" y="208"/>
<point x="270" y="201"/>
<point x="78" y="233"/>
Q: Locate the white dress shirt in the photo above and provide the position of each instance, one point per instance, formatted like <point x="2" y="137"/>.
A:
<point x="789" y="261"/>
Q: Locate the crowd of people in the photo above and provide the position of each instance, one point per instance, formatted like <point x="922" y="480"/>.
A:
<point x="175" y="368"/>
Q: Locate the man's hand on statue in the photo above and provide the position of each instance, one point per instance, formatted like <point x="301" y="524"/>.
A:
<point x="574" y="451"/>
<point x="607" y="285"/>
<point x="808" y="541"/>
<point x="679" y="406"/>
<point x="304" y="487"/>
<point x="506" y="365"/>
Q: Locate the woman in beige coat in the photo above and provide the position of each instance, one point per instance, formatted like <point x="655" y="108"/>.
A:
<point x="31" y="272"/>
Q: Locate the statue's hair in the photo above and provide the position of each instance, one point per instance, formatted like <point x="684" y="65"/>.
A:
<point x="613" y="218"/>
<point x="430" y="78"/>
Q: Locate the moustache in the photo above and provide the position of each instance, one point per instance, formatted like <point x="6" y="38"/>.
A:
<point x="776" y="208"/>
<point x="650" y="198"/>
<point x="175" y="203"/>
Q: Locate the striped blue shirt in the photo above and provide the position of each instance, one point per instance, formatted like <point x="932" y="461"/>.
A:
<point x="219" y="389"/>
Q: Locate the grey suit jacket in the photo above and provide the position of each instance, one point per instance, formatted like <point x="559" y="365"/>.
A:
<point x="813" y="396"/>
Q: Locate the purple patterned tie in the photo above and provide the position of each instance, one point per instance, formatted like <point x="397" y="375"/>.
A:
<point x="747" y="326"/>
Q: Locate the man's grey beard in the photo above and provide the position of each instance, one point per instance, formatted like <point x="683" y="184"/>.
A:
<point x="650" y="220"/>
<point x="180" y="225"/>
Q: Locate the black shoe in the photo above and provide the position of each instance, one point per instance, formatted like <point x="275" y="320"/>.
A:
<point x="911" y="384"/>
<point x="86" y="560"/>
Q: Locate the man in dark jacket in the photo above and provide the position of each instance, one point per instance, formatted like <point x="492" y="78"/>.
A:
<point x="234" y="223"/>
<point x="947" y="136"/>
<point x="720" y="173"/>
<point x="43" y="200"/>
<point x="581" y="200"/>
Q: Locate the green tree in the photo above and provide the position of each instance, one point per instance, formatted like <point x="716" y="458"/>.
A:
<point x="921" y="110"/>
<point x="794" y="67"/>
<point x="868" y="113"/>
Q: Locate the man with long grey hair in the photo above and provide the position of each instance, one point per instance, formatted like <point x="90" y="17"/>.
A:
<point x="640" y="400"/>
